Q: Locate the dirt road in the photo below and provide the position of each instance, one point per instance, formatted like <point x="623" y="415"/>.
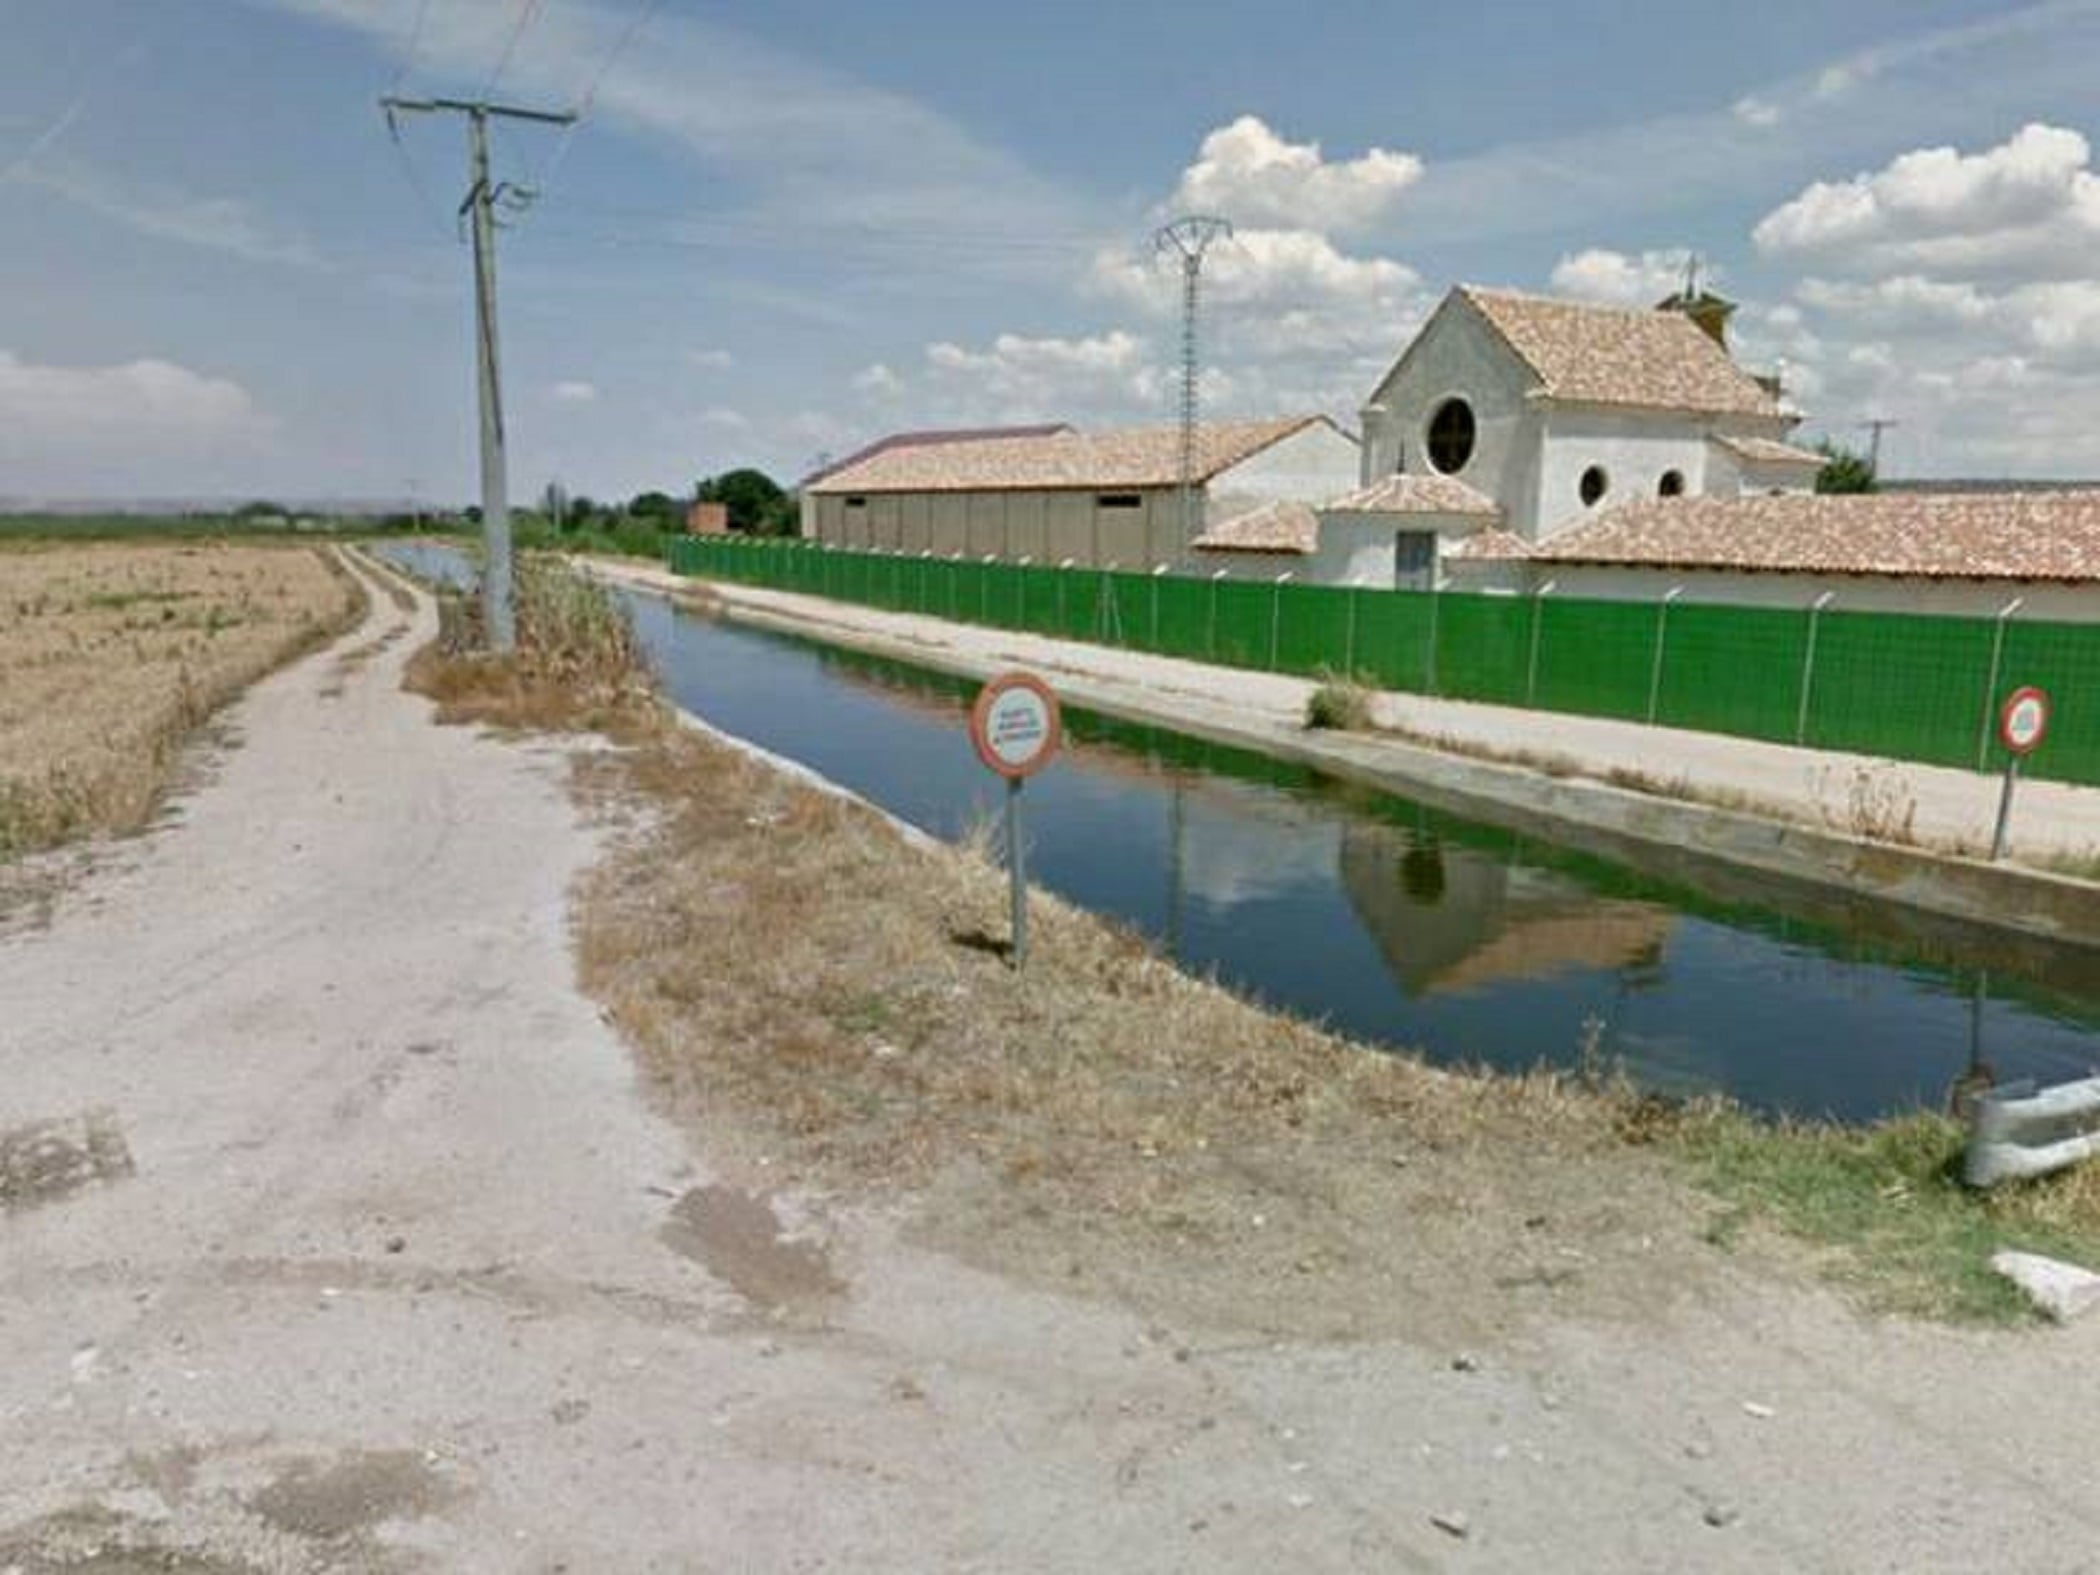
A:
<point x="335" y="1234"/>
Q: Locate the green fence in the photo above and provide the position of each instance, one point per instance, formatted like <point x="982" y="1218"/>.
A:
<point x="1896" y="684"/>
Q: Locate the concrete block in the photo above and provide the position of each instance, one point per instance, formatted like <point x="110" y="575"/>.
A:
<point x="2061" y="1290"/>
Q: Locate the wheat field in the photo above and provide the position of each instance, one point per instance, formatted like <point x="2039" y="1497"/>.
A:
<point x="112" y="653"/>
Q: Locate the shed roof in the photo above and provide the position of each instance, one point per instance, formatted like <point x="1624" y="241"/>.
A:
<point x="1414" y="493"/>
<point x="1990" y="536"/>
<point x="1770" y="451"/>
<point x="1132" y="457"/>
<point x="924" y="438"/>
<point x="1612" y="355"/>
<point x="1274" y="527"/>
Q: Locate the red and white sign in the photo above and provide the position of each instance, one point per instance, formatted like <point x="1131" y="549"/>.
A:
<point x="2023" y="722"/>
<point x="1015" y="724"/>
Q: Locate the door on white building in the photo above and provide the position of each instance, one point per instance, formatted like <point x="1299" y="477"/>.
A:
<point x="1414" y="560"/>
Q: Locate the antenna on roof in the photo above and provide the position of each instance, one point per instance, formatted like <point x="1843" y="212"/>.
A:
<point x="1691" y="276"/>
<point x="1875" y="426"/>
<point x="1189" y="238"/>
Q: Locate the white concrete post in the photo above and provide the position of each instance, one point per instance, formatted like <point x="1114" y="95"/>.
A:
<point x="1990" y="685"/>
<point x="1531" y="676"/>
<point x="1808" y="664"/>
<point x="1662" y="632"/>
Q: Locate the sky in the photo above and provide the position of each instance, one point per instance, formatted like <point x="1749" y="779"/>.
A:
<point x="784" y="228"/>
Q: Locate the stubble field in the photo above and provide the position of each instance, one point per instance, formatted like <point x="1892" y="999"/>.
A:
<point x="112" y="653"/>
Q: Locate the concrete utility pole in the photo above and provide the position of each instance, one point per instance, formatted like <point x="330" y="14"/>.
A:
<point x="479" y="207"/>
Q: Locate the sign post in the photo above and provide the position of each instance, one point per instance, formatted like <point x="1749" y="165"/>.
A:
<point x="2023" y="722"/>
<point x="1015" y="727"/>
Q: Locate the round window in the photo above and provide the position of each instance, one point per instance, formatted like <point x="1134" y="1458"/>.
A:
<point x="1593" y="485"/>
<point x="1451" y="436"/>
<point x="1671" y="485"/>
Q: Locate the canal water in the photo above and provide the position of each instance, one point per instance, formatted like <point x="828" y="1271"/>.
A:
<point x="1406" y="926"/>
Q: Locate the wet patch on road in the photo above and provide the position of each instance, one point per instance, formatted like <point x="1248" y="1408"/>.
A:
<point x="738" y="1238"/>
<point x="91" y="1540"/>
<point x="328" y="1500"/>
<point x="43" y="1161"/>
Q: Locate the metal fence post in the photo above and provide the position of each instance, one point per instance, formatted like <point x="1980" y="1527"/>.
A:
<point x="1276" y="619"/>
<point x="1808" y="664"/>
<point x="1436" y="602"/>
<point x="1990" y="684"/>
<point x="1210" y="653"/>
<point x="1349" y="595"/>
<point x="1531" y="675"/>
<point x="1662" y="632"/>
<point x="1156" y="573"/>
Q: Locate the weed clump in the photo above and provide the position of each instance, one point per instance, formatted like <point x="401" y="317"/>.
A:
<point x="1341" y="703"/>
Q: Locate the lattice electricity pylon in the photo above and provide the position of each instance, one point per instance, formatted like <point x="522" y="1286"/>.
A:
<point x="1188" y="239"/>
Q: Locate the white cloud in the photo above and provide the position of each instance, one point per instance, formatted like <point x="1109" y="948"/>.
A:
<point x="711" y="360"/>
<point x="1018" y="376"/>
<point x="879" y="381"/>
<point x="220" y="224"/>
<point x="1250" y="175"/>
<point x="2031" y="204"/>
<point x="122" y="424"/>
<point x="574" y="391"/>
<point x="1754" y="111"/>
<point x="724" y="418"/>
<point x="1621" y="278"/>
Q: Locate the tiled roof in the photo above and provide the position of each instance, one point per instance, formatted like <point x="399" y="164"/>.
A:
<point x="1414" y="494"/>
<point x="1490" y="546"/>
<point x="1129" y="458"/>
<point x="1770" y="451"/>
<point x="1610" y="355"/>
<point x="1978" y="535"/>
<point x="921" y="439"/>
<point x="1274" y="527"/>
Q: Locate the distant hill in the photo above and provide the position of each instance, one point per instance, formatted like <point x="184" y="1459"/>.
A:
<point x="1985" y="484"/>
<point x="167" y="508"/>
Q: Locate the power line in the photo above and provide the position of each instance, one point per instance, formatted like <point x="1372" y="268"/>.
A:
<point x="415" y="43"/>
<point x="638" y="20"/>
<point x="528" y="13"/>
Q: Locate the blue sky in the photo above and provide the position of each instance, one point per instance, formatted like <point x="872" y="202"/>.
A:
<point x="787" y="227"/>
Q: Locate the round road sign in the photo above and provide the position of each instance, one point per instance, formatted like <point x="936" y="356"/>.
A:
<point x="2024" y="721"/>
<point x="1014" y="724"/>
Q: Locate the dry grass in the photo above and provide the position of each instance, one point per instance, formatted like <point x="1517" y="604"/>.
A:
<point x="111" y="654"/>
<point x="1340" y="702"/>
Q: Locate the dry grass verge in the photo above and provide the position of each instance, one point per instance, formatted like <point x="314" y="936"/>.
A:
<point x="111" y="654"/>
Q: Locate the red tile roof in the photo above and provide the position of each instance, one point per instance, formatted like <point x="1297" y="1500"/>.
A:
<point x="1610" y="355"/>
<point x="1978" y="535"/>
<point x="1133" y="457"/>
<point x="931" y="435"/>
<point x="1770" y="451"/>
<point x="1413" y="493"/>
<point x="1274" y="527"/>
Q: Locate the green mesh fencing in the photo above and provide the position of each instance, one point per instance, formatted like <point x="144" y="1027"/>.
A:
<point x="1901" y="685"/>
<point x="1592" y="658"/>
<point x="1735" y="670"/>
<point x="1313" y="634"/>
<point x="1483" y="646"/>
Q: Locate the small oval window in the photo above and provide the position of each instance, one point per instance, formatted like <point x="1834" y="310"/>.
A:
<point x="1671" y="485"/>
<point x="1451" y="436"/>
<point x="1594" y="484"/>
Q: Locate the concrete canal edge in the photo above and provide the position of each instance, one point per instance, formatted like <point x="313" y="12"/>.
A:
<point x="1735" y="853"/>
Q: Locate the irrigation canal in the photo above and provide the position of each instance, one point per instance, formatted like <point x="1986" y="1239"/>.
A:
<point x="1410" y="927"/>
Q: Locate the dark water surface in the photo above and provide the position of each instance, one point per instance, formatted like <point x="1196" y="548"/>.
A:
<point x="1407" y="926"/>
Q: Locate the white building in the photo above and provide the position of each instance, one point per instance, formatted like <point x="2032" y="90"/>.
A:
<point x="1521" y="444"/>
<point x="1060" y="496"/>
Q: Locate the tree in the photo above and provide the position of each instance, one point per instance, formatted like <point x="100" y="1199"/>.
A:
<point x="1845" y="471"/>
<point x="757" y="506"/>
<point x="659" y="506"/>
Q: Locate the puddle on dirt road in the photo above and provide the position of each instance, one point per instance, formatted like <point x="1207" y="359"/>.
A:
<point x="738" y="1238"/>
<point x="47" y="1160"/>
<point x="1407" y="925"/>
<point x="328" y="1500"/>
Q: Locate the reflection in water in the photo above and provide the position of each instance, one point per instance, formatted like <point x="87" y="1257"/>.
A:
<point x="1405" y="925"/>
<point x="1449" y="920"/>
